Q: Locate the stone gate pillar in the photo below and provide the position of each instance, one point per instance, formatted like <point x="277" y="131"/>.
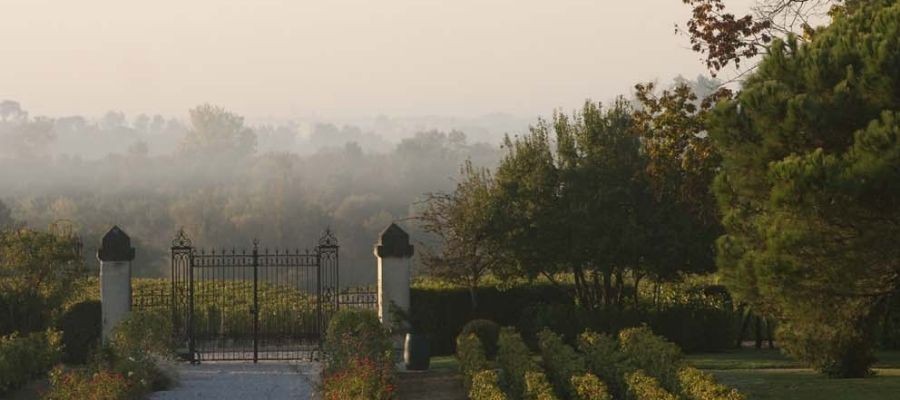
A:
<point x="115" y="255"/>
<point x="394" y="255"/>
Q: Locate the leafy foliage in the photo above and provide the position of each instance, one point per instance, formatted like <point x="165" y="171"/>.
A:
<point x="359" y="361"/>
<point x="486" y="386"/>
<point x="537" y="387"/>
<point x="808" y="187"/>
<point x="86" y="384"/>
<point x="644" y="387"/>
<point x="561" y="362"/>
<point x="488" y="333"/>
<point x="25" y="357"/>
<point x="514" y="359"/>
<point x="699" y="385"/>
<point x="81" y="328"/>
<point x="472" y="359"/>
<point x="590" y="387"/>
<point x="651" y="354"/>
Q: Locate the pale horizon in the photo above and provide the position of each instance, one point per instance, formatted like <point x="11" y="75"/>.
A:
<point x="341" y="59"/>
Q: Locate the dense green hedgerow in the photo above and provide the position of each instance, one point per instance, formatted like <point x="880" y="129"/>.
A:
<point x="644" y="387"/>
<point x="359" y="360"/>
<point x="488" y="333"/>
<point x="654" y="355"/>
<point x="514" y="358"/>
<point x="590" y="387"/>
<point x="699" y="385"/>
<point x="25" y="357"/>
<point x="561" y="362"/>
<point x="537" y="387"/>
<point x="486" y="386"/>
<point x="604" y="360"/>
<point x="81" y="327"/>
<point x="472" y="359"/>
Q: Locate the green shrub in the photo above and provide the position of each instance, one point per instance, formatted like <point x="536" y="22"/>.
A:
<point x="537" y="387"/>
<point x="514" y="358"/>
<point x="644" y="387"/>
<point x="85" y="384"/>
<point x="355" y="334"/>
<point x="136" y="346"/>
<point x="362" y="379"/>
<point x="486" y="386"/>
<point x="359" y="361"/>
<point x="654" y="355"/>
<point x="488" y="333"/>
<point x="699" y="385"/>
<point x="561" y="361"/>
<point x="471" y="357"/>
<point x="81" y="327"/>
<point x="23" y="358"/>
<point x="590" y="387"/>
<point x="604" y="360"/>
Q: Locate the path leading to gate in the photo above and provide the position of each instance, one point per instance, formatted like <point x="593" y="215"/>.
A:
<point x="243" y="381"/>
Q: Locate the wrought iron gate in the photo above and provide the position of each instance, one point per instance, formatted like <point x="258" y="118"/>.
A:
<point x="252" y="304"/>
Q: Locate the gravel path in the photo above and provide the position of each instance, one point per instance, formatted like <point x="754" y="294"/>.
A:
<point x="243" y="381"/>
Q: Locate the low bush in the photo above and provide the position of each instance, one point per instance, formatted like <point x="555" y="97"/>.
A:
<point x="472" y="359"/>
<point x="486" y="386"/>
<point x="590" y="387"/>
<point x="488" y="333"/>
<point x="604" y="360"/>
<point x="361" y="379"/>
<point x="514" y="358"/>
<point x="654" y="355"/>
<point x="23" y="358"/>
<point x="561" y="362"/>
<point x="85" y="384"/>
<point x="537" y="387"/>
<point x="355" y="334"/>
<point x="359" y="360"/>
<point x="699" y="385"/>
<point x="81" y="327"/>
<point x="644" y="387"/>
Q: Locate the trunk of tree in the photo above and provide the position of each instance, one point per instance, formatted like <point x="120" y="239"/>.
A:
<point x="473" y="296"/>
<point x="758" y="331"/>
<point x="607" y="287"/>
<point x="637" y="288"/>
<point x="745" y="320"/>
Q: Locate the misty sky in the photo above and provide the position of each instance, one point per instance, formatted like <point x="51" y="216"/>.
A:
<point x="335" y="58"/>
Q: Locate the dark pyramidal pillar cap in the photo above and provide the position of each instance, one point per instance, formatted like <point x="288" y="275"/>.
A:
<point x="116" y="246"/>
<point x="394" y="242"/>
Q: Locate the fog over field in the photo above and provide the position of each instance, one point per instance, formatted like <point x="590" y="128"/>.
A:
<point x="276" y="119"/>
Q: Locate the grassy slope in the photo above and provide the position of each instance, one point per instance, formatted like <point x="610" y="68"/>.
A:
<point x="767" y="374"/>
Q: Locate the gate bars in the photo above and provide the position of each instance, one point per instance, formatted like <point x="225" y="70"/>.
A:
<point x="252" y="305"/>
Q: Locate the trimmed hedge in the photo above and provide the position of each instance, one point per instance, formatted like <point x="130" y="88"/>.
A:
<point x="486" y="386"/>
<point x="604" y="360"/>
<point x="471" y="357"/>
<point x="537" y="387"/>
<point x="644" y="387"/>
<point x="442" y="312"/>
<point x="590" y="387"/>
<point x="359" y="361"/>
<point x="652" y="354"/>
<point x="562" y="362"/>
<point x="514" y="358"/>
<point x="23" y="358"/>
<point x="81" y="328"/>
<point x="699" y="385"/>
<point x="488" y="333"/>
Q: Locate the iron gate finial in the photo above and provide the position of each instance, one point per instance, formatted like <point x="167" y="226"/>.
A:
<point x="181" y="239"/>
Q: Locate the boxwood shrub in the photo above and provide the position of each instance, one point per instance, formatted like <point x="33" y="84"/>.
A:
<point x="514" y="359"/>
<point x="699" y="385"/>
<point x="644" y="387"/>
<point x="23" y="358"/>
<point x="590" y="387"/>
<point x="472" y="359"/>
<point x="561" y="361"/>
<point x="486" y="386"/>
<point x="537" y="387"/>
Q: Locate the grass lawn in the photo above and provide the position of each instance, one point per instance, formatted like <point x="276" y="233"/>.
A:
<point x="769" y="375"/>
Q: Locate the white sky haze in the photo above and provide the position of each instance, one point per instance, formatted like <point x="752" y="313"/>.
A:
<point x="335" y="57"/>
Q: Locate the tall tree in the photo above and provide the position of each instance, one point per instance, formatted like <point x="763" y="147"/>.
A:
<point x="218" y="132"/>
<point x="463" y="220"/>
<point x="810" y="183"/>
